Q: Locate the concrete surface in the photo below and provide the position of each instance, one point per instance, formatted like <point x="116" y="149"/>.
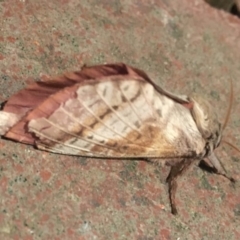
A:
<point x="186" y="46"/>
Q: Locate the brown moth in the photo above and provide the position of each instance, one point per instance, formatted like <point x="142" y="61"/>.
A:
<point x="114" y="111"/>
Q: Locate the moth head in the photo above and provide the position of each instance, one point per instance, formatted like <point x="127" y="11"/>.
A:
<point x="211" y="129"/>
<point x="206" y="121"/>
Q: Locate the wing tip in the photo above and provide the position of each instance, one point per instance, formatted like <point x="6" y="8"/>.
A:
<point x="7" y="120"/>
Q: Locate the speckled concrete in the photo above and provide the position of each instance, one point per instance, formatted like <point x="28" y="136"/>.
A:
<point x="186" y="46"/>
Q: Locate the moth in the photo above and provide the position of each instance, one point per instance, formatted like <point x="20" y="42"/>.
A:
<point x="115" y="111"/>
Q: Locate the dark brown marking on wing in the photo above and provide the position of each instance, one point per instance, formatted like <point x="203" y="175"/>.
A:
<point x="73" y="141"/>
<point x="94" y="103"/>
<point x="136" y="96"/>
<point x="115" y="144"/>
<point x="105" y="91"/>
<point x="92" y="125"/>
<point x="115" y="107"/>
<point x="137" y="124"/>
<point x="124" y="148"/>
<point x="140" y="147"/>
<point x="123" y="99"/>
<point x="105" y="114"/>
<point x="139" y="136"/>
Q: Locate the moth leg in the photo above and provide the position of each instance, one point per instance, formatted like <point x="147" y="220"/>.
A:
<point x="206" y="166"/>
<point x="177" y="170"/>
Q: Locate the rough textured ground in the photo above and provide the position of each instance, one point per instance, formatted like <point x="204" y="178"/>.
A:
<point x="186" y="46"/>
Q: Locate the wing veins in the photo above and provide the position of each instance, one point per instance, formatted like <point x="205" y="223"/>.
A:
<point x="61" y="143"/>
<point x="97" y="155"/>
<point x="77" y="136"/>
<point x="150" y="106"/>
<point x="91" y="112"/>
<point x="115" y="112"/>
<point x="83" y="125"/>
<point x="131" y="105"/>
<point x="71" y="116"/>
<point x="75" y="119"/>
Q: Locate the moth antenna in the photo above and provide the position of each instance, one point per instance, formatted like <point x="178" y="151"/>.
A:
<point x="230" y="106"/>
<point x="231" y="145"/>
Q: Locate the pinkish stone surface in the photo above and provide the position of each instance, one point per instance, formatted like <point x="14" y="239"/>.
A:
<point x="186" y="46"/>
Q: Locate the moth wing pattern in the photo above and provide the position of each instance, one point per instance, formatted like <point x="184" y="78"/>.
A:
<point x="105" y="113"/>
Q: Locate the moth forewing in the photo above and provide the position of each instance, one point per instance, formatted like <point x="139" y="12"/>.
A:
<point x="113" y="111"/>
<point x="119" y="119"/>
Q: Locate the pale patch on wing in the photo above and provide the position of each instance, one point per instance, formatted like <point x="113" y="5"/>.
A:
<point x="7" y="120"/>
<point x="126" y="118"/>
<point x="179" y="129"/>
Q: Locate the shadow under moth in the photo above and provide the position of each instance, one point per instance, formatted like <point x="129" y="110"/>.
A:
<point x="115" y="111"/>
